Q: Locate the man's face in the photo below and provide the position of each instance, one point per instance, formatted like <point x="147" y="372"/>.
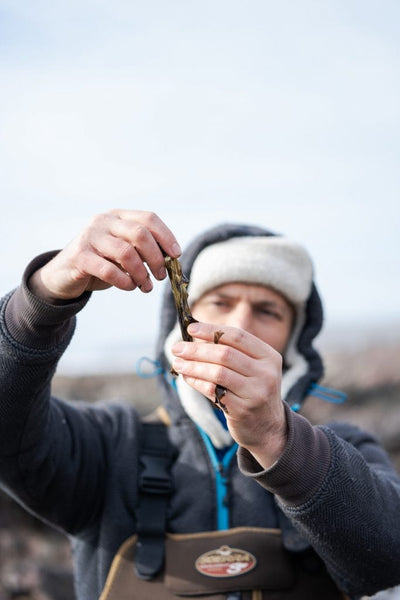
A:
<point x="255" y="308"/>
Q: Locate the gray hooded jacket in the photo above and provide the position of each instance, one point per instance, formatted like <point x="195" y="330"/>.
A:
<point x="76" y="465"/>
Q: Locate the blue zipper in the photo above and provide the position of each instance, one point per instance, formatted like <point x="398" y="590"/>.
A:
<point x="221" y="480"/>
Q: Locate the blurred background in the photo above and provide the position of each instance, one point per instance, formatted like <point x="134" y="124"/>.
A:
<point x="284" y="114"/>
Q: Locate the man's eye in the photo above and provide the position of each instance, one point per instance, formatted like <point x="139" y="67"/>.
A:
<point x="271" y="313"/>
<point x="219" y="303"/>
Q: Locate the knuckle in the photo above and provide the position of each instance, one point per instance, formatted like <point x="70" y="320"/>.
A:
<point x="209" y="389"/>
<point x="99" y="219"/>
<point x="106" y="271"/>
<point x="141" y="233"/>
<point x="150" y="217"/>
<point x="237" y="336"/>
<point x="114" y="212"/>
<point x="124" y="251"/>
<point x="220" y="376"/>
<point x="226" y="353"/>
<point x="241" y="412"/>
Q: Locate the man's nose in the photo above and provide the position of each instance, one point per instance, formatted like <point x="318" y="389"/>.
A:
<point x="241" y="317"/>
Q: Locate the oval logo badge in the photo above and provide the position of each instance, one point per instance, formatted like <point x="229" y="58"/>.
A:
<point x="225" y="562"/>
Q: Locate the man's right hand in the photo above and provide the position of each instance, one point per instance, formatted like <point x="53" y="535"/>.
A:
<point x="117" y="248"/>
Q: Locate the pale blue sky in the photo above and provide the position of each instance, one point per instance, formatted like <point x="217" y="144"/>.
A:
<point x="279" y="113"/>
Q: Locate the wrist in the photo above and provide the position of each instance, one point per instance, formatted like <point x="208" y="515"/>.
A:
<point x="37" y="288"/>
<point x="36" y="284"/>
<point x="271" y="446"/>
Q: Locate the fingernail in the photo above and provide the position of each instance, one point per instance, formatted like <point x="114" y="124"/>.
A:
<point x="176" y="249"/>
<point x="177" y="348"/>
<point x="146" y="286"/>
<point x="177" y="364"/>
<point x="161" y="273"/>
<point x="194" y="328"/>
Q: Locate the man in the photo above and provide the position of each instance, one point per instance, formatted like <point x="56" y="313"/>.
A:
<point x="302" y="512"/>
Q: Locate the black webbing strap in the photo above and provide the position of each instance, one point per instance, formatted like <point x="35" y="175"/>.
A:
<point x="155" y="488"/>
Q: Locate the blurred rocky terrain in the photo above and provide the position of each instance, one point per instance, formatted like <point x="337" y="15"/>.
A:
<point x="35" y="561"/>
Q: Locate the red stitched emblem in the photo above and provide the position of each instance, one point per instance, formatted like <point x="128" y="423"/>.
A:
<point x="225" y="562"/>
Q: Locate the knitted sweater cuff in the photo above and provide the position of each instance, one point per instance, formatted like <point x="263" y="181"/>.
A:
<point x="300" y="470"/>
<point x="34" y="323"/>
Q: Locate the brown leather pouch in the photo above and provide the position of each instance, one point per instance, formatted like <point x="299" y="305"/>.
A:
<point x="224" y="561"/>
<point x="212" y="565"/>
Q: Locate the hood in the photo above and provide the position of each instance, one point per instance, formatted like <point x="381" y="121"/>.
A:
<point x="304" y="364"/>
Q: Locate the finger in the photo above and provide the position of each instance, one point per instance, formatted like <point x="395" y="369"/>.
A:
<point x="226" y="400"/>
<point x="152" y="222"/>
<point x="124" y="256"/>
<point x="130" y="245"/>
<point x="210" y="390"/>
<point x="211" y="374"/>
<point x="140" y="230"/>
<point x="221" y="354"/>
<point x="234" y="337"/>
<point x="231" y="368"/>
<point x="92" y="265"/>
<point x="147" y="248"/>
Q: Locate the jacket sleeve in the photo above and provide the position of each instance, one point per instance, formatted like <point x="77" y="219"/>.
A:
<point x="339" y="489"/>
<point x="53" y="454"/>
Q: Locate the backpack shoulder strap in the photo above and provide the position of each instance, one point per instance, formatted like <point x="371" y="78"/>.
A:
<point x="155" y="487"/>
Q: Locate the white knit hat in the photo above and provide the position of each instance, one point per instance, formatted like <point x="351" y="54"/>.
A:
<point x="272" y="261"/>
